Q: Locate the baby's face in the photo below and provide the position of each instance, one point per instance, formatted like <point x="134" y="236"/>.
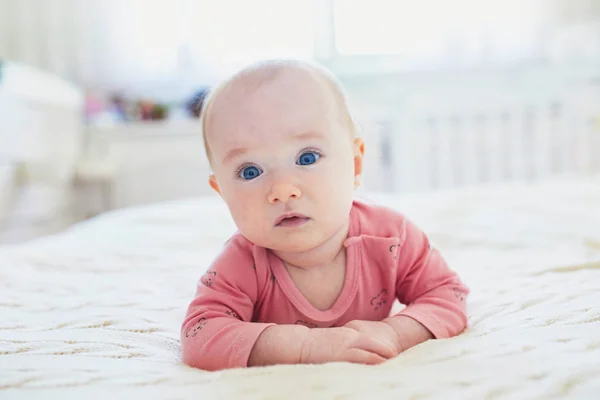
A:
<point x="281" y="149"/>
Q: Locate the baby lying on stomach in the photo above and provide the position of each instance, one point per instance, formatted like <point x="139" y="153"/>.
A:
<point x="312" y="273"/>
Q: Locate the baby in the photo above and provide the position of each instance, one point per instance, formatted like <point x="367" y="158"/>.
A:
<point x="312" y="273"/>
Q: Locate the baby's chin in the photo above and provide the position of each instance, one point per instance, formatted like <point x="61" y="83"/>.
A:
<point x="289" y="243"/>
<point x="293" y="247"/>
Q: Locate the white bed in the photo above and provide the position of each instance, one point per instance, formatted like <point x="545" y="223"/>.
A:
<point x="96" y="310"/>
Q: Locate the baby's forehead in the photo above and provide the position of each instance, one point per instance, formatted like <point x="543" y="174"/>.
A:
<point x="287" y="79"/>
<point x="261" y="96"/>
<point x="273" y="98"/>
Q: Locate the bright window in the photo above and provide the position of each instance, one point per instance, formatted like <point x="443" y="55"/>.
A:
<point x="230" y="33"/>
<point x="438" y="29"/>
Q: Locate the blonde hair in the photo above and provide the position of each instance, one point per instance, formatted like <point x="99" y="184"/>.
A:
<point x="255" y="75"/>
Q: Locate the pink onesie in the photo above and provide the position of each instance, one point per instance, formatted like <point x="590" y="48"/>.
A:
<point x="247" y="289"/>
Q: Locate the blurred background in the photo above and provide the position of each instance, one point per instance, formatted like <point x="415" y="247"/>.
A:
<point x="97" y="97"/>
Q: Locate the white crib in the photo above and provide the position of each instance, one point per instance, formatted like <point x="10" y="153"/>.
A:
<point x="448" y="129"/>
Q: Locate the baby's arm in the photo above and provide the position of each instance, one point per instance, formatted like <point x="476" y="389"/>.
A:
<point x="278" y="344"/>
<point x="434" y="294"/>
<point x="217" y="332"/>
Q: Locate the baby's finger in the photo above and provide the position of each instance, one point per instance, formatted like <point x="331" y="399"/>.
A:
<point x="359" y="356"/>
<point x="374" y="345"/>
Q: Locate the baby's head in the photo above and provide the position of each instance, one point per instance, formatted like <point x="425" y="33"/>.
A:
<point x="281" y="141"/>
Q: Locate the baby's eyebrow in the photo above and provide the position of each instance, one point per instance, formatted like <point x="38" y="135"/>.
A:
<point x="233" y="153"/>
<point x="308" y="135"/>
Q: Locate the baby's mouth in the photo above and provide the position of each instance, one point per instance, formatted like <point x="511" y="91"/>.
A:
<point x="291" y="220"/>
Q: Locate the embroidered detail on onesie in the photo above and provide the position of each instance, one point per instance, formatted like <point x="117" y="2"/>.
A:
<point x="198" y="328"/>
<point x="459" y="295"/>
<point x="307" y="324"/>
<point x="378" y="301"/>
<point x="395" y="249"/>
<point x="208" y="278"/>
<point x="232" y="313"/>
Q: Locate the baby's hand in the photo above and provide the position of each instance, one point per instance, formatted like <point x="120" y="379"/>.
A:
<point x="357" y="342"/>
<point x="380" y="331"/>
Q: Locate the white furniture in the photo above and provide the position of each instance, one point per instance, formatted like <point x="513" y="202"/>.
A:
<point x="40" y="139"/>
<point x="145" y="162"/>
<point x="96" y="311"/>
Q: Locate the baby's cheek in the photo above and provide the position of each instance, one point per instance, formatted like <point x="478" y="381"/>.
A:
<point x="244" y="208"/>
<point x="251" y="221"/>
<point x="338" y="191"/>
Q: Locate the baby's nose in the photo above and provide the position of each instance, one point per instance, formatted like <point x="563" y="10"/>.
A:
<point x="283" y="192"/>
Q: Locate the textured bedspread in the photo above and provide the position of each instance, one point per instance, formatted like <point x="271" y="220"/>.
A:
<point x="96" y="311"/>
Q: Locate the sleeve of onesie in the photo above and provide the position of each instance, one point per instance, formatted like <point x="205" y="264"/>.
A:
<point x="433" y="294"/>
<point x="217" y="332"/>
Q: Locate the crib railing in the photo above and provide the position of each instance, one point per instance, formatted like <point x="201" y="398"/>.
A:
<point x="435" y="143"/>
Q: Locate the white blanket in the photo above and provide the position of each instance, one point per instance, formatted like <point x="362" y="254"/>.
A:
<point x="96" y="311"/>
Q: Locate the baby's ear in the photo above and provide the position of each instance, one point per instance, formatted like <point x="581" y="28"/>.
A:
<point x="212" y="181"/>
<point x="359" y="147"/>
<point x="359" y="152"/>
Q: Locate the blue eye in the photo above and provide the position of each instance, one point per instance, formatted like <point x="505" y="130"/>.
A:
<point x="310" y="157"/>
<point x="249" y="173"/>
